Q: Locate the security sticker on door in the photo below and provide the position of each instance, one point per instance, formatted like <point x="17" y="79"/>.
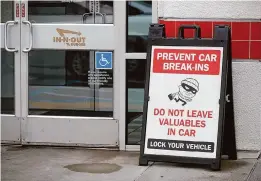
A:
<point x="103" y="60"/>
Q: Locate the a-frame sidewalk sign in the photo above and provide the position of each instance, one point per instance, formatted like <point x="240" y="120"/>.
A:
<point x="188" y="113"/>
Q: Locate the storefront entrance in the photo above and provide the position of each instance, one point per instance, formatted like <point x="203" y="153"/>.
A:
<point x="60" y="72"/>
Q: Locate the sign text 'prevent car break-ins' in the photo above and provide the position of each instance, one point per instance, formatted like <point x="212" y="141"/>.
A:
<point x="183" y="107"/>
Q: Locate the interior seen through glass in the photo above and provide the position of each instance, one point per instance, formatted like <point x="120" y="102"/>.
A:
<point x="7" y="11"/>
<point x="139" y="18"/>
<point x="135" y="78"/>
<point x="7" y="82"/>
<point x="76" y="12"/>
<point x="69" y="84"/>
<point x="7" y="65"/>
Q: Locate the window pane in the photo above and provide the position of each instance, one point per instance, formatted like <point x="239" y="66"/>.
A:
<point x="104" y="12"/>
<point x="7" y="11"/>
<point x="77" y="11"/>
<point x="7" y="82"/>
<point x="139" y="18"/>
<point x="135" y="75"/>
<point x="67" y="83"/>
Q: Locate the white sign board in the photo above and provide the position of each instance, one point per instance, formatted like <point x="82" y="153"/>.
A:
<point x="183" y="106"/>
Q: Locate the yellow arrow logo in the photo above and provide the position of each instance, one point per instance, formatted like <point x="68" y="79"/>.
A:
<point x="63" y="31"/>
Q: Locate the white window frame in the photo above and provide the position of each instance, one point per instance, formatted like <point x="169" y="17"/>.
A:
<point x="122" y="96"/>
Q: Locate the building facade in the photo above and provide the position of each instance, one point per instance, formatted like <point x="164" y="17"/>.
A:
<point x="73" y="72"/>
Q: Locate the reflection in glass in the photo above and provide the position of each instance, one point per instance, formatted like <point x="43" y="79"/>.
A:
<point x="76" y="12"/>
<point x="139" y="18"/>
<point x="66" y="83"/>
<point x="104" y="13"/>
<point x="135" y="78"/>
<point x="7" y="11"/>
<point x="7" y="82"/>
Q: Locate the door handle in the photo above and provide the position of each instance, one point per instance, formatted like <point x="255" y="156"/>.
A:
<point x="89" y="14"/>
<point x="102" y="15"/>
<point x="26" y="50"/>
<point x="5" y="36"/>
<point x="85" y="15"/>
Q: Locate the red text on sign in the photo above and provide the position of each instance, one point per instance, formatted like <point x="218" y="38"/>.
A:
<point x="200" y="114"/>
<point x="182" y="122"/>
<point x="182" y="132"/>
<point x="159" y="111"/>
<point x="186" y="61"/>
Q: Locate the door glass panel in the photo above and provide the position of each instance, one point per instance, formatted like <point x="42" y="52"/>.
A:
<point x="7" y="64"/>
<point x="7" y="82"/>
<point x="139" y="18"/>
<point x="70" y="83"/>
<point x="7" y="11"/>
<point x="135" y="78"/>
<point x="77" y="12"/>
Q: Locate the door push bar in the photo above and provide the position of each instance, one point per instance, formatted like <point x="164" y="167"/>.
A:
<point x="103" y="17"/>
<point x="85" y="15"/>
<point x="26" y="50"/>
<point x="5" y="36"/>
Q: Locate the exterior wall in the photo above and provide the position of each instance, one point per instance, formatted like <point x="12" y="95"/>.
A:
<point x="244" y="18"/>
<point x="247" y="100"/>
<point x="237" y="9"/>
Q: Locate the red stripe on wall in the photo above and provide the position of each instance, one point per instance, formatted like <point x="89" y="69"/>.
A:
<point x="246" y="36"/>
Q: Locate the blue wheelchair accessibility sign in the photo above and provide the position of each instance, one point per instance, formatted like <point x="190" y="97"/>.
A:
<point x="103" y="60"/>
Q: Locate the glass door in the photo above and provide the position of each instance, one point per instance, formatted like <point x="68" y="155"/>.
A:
<point x="10" y="71"/>
<point x="68" y="67"/>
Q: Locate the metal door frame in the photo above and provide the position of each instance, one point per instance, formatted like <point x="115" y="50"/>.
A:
<point x="10" y="41"/>
<point x="38" y="129"/>
<point x="119" y="54"/>
<point x="140" y="57"/>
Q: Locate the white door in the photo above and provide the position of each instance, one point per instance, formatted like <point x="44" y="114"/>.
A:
<point x="10" y="71"/>
<point x="68" y="69"/>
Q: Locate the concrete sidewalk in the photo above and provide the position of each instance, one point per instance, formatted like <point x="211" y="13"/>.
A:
<point x="68" y="164"/>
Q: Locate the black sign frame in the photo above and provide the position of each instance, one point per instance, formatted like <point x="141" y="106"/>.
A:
<point x="221" y="39"/>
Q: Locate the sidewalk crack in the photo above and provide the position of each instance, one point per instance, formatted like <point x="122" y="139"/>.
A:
<point x="251" y="171"/>
<point x="136" y="179"/>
